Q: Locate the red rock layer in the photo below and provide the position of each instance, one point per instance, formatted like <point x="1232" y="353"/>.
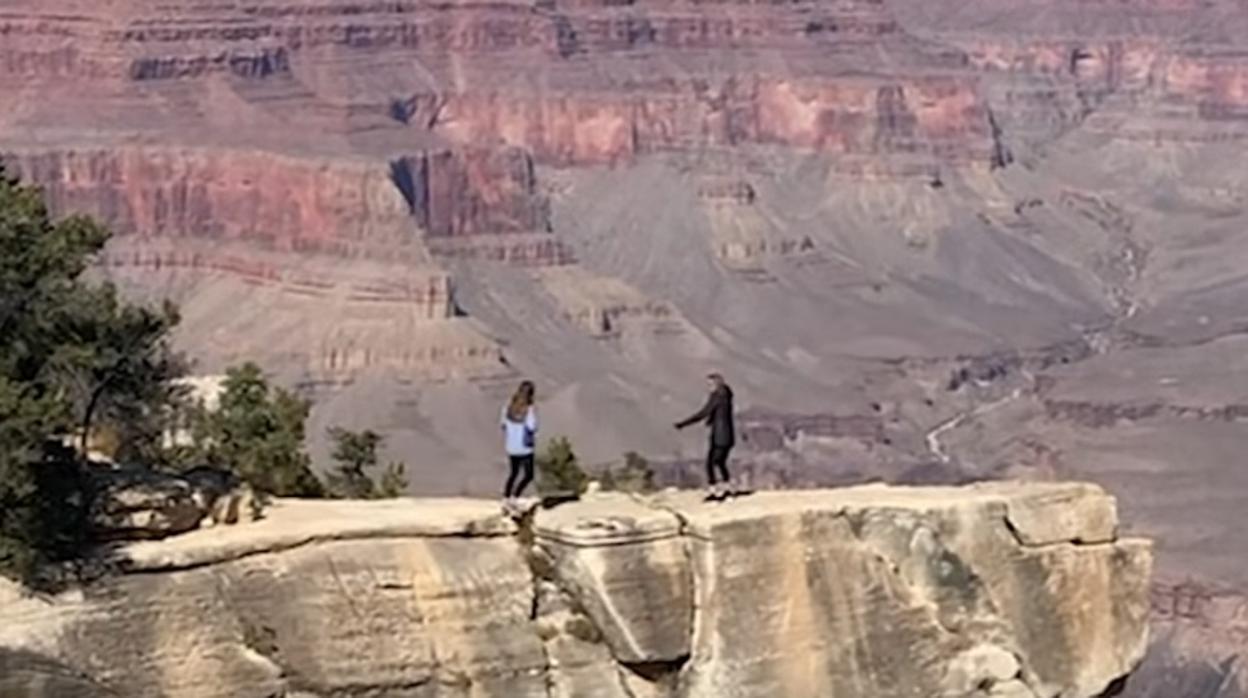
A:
<point x="572" y="102"/>
<point x="339" y="207"/>
<point x="462" y="192"/>
<point x="284" y="203"/>
<point x="385" y="123"/>
<point x="388" y="122"/>
<point x="1178" y="67"/>
<point x="254" y="39"/>
<point x="939" y="117"/>
<point x="1217" y="83"/>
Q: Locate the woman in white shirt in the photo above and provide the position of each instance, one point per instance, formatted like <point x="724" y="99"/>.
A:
<point x="519" y="422"/>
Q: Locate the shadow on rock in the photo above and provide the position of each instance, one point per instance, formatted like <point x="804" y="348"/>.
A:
<point x="28" y="675"/>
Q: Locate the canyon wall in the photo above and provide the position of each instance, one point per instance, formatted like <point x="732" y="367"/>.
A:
<point x="993" y="590"/>
<point x="892" y="223"/>
<point x="346" y="207"/>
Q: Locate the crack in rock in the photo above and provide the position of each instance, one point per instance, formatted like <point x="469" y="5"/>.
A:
<point x="685" y="532"/>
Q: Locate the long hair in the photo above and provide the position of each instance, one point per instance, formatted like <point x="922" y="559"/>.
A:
<point x="518" y="408"/>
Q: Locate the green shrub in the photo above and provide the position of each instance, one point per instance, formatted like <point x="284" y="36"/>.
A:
<point x="257" y="431"/>
<point x="635" y="475"/>
<point x="354" y="452"/>
<point x="558" y="471"/>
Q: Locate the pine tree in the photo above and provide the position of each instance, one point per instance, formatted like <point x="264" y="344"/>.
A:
<point x="257" y="431"/>
<point x="354" y="453"/>
<point x="73" y="358"/>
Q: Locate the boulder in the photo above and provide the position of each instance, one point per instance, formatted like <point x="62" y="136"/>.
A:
<point x="224" y="497"/>
<point x="135" y="503"/>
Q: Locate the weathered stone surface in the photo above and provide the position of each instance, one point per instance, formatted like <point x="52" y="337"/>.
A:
<point x="26" y="675"/>
<point x="291" y="523"/>
<point x="139" y="503"/>
<point x="136" y="503"/>
<point x="421" y="599"/>
<point x="870" y="591"/>
<point x="1082" y="514"/>
<point x="627" y="565"/>
<point x="828" y="585"/>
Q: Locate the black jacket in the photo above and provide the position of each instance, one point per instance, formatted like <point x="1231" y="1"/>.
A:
<point x="717" y="413"/>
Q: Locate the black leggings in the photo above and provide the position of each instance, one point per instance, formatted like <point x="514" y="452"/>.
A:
<point x="519" y="464"/>
<point x="717" y="459"/>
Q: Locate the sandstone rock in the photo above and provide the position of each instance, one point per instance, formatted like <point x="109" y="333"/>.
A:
<point x="870" y="591"/>
<point x="132" y="503"/>
<point x="240" y="504"/>
<point x="626" y="565"/>
<point x="1083" y="514"/>
<point x="580" y="664"/>
<point x="296" y="523"/>
<point x="420" y="594"/>
<point x="27" y="675"/>
<point x="846" y="579"/>
<point x="984" y="668"/>
<point x="135" y="503"/>
<point x="223" y="497"/>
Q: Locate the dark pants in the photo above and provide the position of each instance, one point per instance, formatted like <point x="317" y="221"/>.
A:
<point x="717" y="461"/>
<point x="519" y="464"/>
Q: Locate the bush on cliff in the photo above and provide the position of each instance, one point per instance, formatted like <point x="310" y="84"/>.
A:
<point x="257" y="432"/>
<point x="635" y="475"/>
<point x="74" y="358"/>
<point x="558" y="471"/>
<point x="354" y="452"/>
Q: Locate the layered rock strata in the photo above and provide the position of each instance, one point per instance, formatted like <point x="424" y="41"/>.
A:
<point x="992" y="590"/>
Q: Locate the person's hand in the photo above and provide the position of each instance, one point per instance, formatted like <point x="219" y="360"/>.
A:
<point x="677" y="426"/>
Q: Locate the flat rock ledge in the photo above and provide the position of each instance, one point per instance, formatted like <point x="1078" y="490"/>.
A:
<point x="290" y="523"/>
<point x="1003" y="589"/>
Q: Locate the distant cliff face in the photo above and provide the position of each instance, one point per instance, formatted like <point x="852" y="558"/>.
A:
<point x="927" y="240"/>
<point x="1001" y="590"/>
<point x="342" y="190"/>
<point x="686" y="179"/>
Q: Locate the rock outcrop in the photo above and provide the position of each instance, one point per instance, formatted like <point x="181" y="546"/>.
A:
<point x="1020" y="590"/>
<point x="132" y="503"/>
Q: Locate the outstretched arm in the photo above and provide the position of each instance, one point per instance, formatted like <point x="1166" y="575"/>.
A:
<point x="698" y="416"/>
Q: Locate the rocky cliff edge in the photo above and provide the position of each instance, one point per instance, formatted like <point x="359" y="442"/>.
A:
<point x="1004" y="589"/>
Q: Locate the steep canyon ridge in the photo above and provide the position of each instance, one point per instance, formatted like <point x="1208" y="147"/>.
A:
<point x="1003" y="590"/>
<point x="929" y="241"/>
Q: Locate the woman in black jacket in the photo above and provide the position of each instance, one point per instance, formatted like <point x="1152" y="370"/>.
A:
<point x="717" y="414"/>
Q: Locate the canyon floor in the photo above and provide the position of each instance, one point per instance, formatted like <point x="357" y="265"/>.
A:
<point x="927" y="242"/>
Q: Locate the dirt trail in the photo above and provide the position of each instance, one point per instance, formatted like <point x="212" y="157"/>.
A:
<point x="934" y="444"/>
<point x="1120" y="279"/>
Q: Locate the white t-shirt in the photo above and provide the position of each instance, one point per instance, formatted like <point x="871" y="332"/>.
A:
<point x="514" y="432"/>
